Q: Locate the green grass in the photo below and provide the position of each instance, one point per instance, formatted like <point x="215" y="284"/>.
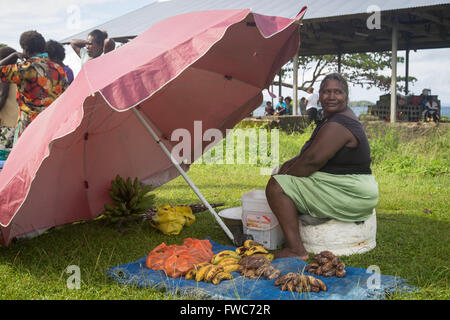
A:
<point x="413" y="243"/>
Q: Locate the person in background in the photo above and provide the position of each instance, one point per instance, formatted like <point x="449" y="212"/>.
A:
<point x="281" y="107"/>
<point x="39" y="80"/>
<point x="289" y="105"/>
<point x="96" y="44"/>
<point x="431" y="110"/>
<point x="302" y="106"/>
<point x="6" y="131"/>
<point x="57" y="53"/>
<point x="331" y="177"/>
<point x="311" y="105"/>
<point x="269" y="109"/>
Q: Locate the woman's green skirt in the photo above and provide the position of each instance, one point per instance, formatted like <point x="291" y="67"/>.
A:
<point x="347" y="197"/>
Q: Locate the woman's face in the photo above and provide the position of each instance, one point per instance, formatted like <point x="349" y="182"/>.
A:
<point x="333" y="97"/>
<point x="93" y="48"/>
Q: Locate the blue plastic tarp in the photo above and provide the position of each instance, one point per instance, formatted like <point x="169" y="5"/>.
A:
<point x="358" y="284"/>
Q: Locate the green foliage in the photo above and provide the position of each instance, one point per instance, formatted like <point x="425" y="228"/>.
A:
<point x="399" y="152"/>
<point x="362" y="69"/>
<point x="361" y="103"/>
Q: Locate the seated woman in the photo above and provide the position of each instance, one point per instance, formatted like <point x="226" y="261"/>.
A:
<point x="269" y="109"/>
<point x="331" y="177"/>
<point x="431" y="110"/>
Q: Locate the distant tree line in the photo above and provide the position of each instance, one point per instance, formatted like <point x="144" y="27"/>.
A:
<point x="361" y="69"/>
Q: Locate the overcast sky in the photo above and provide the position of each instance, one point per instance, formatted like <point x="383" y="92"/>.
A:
<point x="60" y="19"/>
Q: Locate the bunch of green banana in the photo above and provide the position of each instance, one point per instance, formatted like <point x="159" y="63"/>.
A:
<point x="208" y="272"/>
<point x="129" y="198"/>
<point x="251" y="247"/>
<point x="228" y="259"/>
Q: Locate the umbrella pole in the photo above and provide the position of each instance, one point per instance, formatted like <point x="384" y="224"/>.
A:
<point x="188" y="180"/>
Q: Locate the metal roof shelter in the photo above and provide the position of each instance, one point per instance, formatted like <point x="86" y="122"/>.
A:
<point x="329" y="26"/>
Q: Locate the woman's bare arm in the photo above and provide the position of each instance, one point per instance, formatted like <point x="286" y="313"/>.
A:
<point x="11" y="59"/>
<point x="77" y="44"/>
<point x="330" y="139"/>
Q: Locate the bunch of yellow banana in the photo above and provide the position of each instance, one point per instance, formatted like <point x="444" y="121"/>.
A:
<point x="128" y="197"/>
<point x="208" y="272"/>
<point x="251" y="247"/>
<point x="228" y="259"/>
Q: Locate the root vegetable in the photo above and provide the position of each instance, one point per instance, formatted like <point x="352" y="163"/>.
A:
<point x="299" y="283"/>
<point x="255" y="266"/>
<point x="326" y="264"/>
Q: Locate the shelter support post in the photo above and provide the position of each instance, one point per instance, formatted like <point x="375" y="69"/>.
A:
<point x="295" y="78"/>
<point x="279" y="84"/>
<point x="295" y="86"/>
<point x="150" y="130"/>
<point x="271" y="96"/>
<point x="407" y="70"/>
<point x="339" y="62"/>
<point x="394" y="71"/>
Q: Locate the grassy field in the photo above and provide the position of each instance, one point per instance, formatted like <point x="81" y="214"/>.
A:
<point x="410" y="165"/>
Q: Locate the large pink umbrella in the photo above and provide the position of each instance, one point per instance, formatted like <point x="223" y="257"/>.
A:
<point x="208" y="66"/>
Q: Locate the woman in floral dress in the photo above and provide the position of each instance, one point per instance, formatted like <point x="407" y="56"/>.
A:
<point x="39" y="80"/>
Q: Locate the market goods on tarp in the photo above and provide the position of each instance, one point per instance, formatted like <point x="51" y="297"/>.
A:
<point x="327" y="264"/>
<point x="251" y="247"/>
<point x="256" y="266"/>
<point x="299" y="283"/>
<point x="178" y="260"/>
<point x="226" y="254"/>
<point x="228" y="259"/>
<point x="208" y="272"/>
<point x="222" y="276"/>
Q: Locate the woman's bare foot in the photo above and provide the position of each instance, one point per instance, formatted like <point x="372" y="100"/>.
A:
<point x="286" y="253"/>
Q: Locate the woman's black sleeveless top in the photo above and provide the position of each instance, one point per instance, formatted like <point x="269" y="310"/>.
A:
<point x="347" y="160"/>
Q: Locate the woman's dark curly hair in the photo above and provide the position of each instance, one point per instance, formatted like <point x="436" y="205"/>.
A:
<point x="32" y="41"/>
<point x="55" y="50"/>
<point x="99" y="36"/>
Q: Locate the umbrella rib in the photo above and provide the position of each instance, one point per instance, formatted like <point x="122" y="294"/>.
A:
<point x="181" y="171"/>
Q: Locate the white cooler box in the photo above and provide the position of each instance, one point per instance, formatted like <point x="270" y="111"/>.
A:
<point x="259" y="221"/>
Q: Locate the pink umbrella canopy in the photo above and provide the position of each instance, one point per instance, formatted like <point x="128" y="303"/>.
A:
<point x="208" y="66"/>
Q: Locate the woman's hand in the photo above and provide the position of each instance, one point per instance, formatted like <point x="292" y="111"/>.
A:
<point x="108" y="45"/>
